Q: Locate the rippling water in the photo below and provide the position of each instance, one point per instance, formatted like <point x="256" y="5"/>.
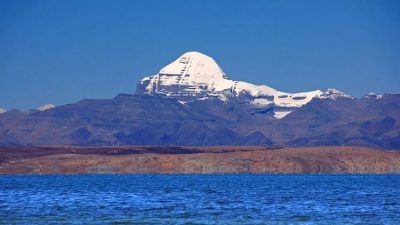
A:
<point x="200" y="199"/>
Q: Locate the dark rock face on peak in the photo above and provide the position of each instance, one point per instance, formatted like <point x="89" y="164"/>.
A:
<point x="154" y="120"/>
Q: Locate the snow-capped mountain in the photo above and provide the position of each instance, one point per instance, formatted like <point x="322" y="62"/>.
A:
<point x="2" y="110"/>
<point x="45" y="107"/>
<point x="195" y="76"/>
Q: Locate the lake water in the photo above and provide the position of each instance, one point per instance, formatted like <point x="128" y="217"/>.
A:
<point x="200" y="199"/>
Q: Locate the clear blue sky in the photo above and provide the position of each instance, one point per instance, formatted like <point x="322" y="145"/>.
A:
<point x="62" y="51"/>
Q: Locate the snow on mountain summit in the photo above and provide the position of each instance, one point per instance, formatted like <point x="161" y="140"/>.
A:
<point x="195" y="76"/>
<point x="196" y="68"/>
<point x="193" y="69"/>
<point x="2" y="110"/>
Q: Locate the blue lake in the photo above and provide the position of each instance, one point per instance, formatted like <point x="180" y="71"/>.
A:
<point x="200" y="199"/>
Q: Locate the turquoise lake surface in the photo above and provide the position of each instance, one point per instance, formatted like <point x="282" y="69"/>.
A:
<point x="200" y="199"/>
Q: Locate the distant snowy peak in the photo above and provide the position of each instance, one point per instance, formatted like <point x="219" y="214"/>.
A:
<point x="45" y="107"/>
<point x="2" y="110"/>
<point x="195" y="76"/>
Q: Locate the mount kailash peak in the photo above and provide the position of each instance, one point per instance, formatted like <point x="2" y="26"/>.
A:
<point x="195" y="76"/>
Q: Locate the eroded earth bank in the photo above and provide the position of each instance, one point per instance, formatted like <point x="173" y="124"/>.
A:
<point x="226" y="159"/>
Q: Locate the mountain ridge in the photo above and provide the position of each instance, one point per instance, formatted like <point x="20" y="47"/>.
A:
<point x="154" y="120"/>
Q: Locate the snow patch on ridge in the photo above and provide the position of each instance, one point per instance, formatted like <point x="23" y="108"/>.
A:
<point x="334" y="94"/>
<point x="281" y="114"/>
<point x="372" y="96"/>
<point x="2" y="110"/>
<point x="45" y="107"/>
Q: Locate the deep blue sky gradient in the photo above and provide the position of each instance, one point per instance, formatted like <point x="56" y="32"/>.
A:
<point x="62" y="51"/>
